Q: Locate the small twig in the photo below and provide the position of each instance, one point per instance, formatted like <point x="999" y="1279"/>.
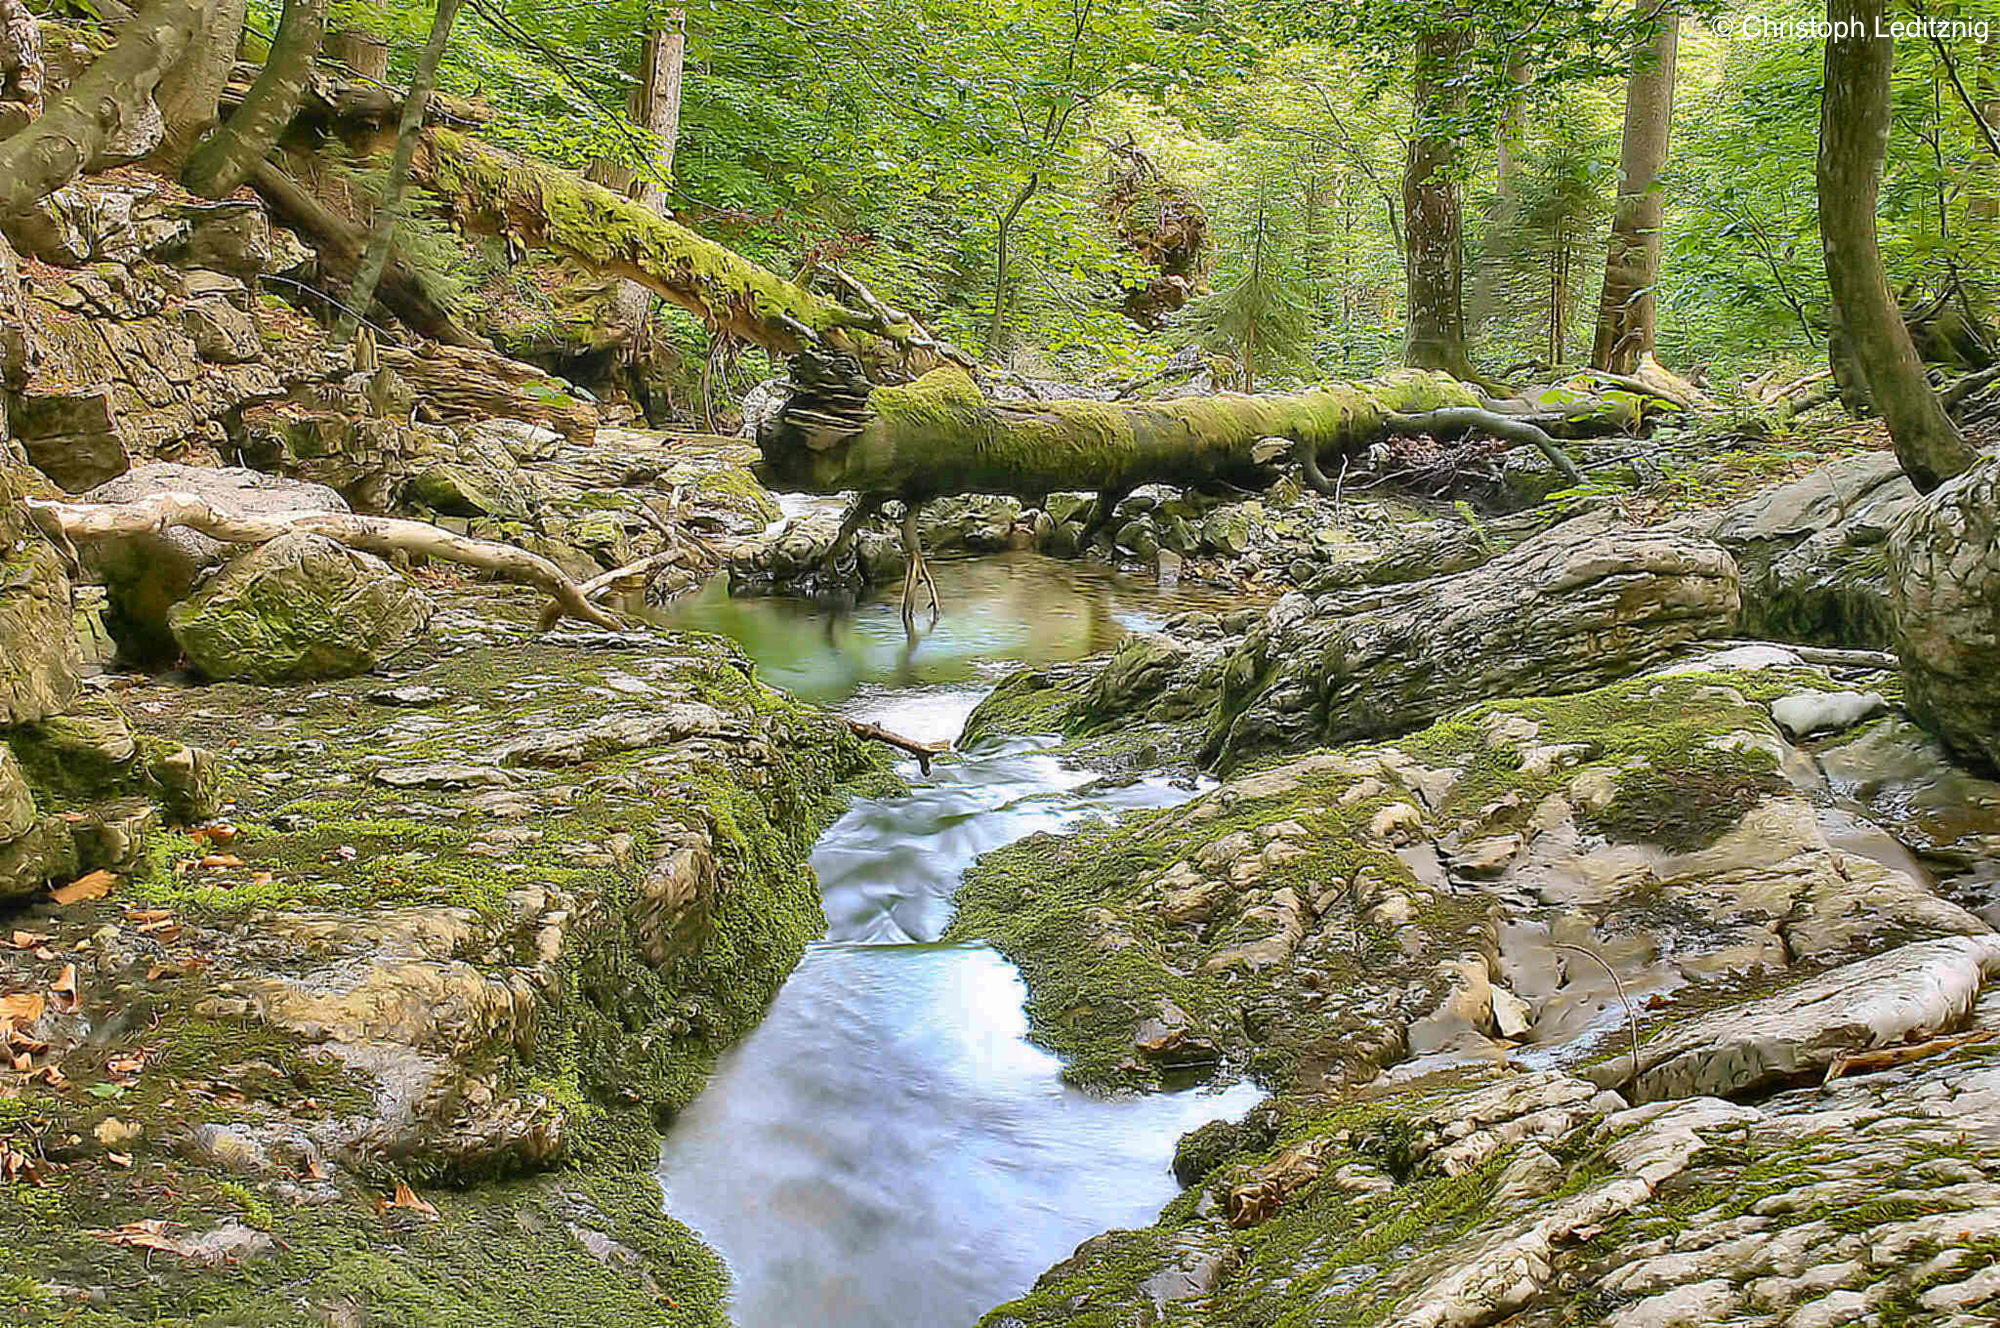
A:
<point x="1846" y="659"/>
<point x="1631" y="1012"/>
<point x="923" y="751"/>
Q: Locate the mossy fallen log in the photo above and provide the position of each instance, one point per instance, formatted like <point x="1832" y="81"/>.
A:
<point x="545" y="207"/>
<point x="940" y="435"/>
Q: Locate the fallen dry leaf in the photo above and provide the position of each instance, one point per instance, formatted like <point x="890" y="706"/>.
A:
<point x="408" y="1198"/>
<point x="122" y="1159"/>
<point x="64" y="990"/>
<point x="21" y="1010"/>
<point x="27" y="940"/>
<point x="222" y="834"/>
<point x="147" y="1234"/>
<point x="95" y="885"/>
<point x="219" y="860"/>
<point x="145" y="916"/>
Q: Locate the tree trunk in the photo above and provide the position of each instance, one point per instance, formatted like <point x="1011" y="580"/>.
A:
<point x="1513" y="132"/>
<point x="996" y="336"/>
<point x="391" y="203"/>
<point x="940" y="435"/>
<point x="340" y="244"/>
<point x="656" y="105"/>
<point x="363" y="52"/>
<point x="188" y="95"/>
<point x="48" y="154"/>
<point x="23" y="75"/>
<point x="1853" y="141"/>
<point x="544" y="206"/>
<point x="1433" y="257"/>
<point x="227" y="158"/>
<point x="1627" y="313"/>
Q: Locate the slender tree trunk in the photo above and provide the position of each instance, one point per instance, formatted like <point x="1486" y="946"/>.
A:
<point x="23" y="75"/>
<point x="1513" y="132"/>
<point x="1853" y="142"/>
<point x="422" y="81"/>
<point x="52" y="151"/>
<point x="233" y="151"/>
<point x="1627" y="313"/>
<point x="188" y="95"/>
<point x="1984" y="204"/>
<point x="1433" y="257"/>
<point x="656" y="105"/>
<point x="997" y="335"/>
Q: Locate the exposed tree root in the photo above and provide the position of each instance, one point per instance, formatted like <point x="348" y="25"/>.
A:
<point x="379" y="535"/>
<point x="920" y="570"/>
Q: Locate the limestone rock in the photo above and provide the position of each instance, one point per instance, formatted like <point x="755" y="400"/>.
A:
<point x="72" y="436"/>
<point x="39" y="657"/>
<point x="1812" y="552"/>
<point x="299" y="608"/>
<point x="145" y="575"/>
<point x="1909" y="993"/>
<point x="1571" y="609"/>
<point x="1944" y="571"/>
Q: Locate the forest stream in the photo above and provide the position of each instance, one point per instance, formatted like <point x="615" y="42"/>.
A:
<point x="887" y="1148"/>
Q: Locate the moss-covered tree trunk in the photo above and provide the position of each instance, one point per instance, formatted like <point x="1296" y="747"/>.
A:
<point x="542" y="206"/>
<point x="1853" y="142"/>
<point x="52" y="151"/>
<point x="227" y="158"/>
<point x="940" y="435"/>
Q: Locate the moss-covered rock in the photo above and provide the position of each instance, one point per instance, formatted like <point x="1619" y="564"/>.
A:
<point x="421" y="954"/>
<point x="39" y="659"/>
<point x="302" y="607"/>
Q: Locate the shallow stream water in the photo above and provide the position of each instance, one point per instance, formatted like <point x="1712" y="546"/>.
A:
<point x="888" y="1148"/>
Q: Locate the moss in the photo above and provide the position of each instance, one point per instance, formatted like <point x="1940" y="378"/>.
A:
<point x="619" y="1046"/>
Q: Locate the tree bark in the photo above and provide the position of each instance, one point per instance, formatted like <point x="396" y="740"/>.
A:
<point x="547" y="207"/>
<point x="380" y="535"/>
<point x="51" y="152"/>
<point x="190" y="92"/>
<point x="227" y="158"/>
<point x="390" y="207"/>
<point x="363" y="52"/>
<point x="656" y="106"/>
<point x="1853" y="142"/>
<point x="1433" y="256"/>
<point x="23" y="74"/>
<point x="1627" y="312"/>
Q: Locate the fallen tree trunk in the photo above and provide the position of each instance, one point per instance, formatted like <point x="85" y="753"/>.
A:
<point x="340" y="243"/>
<point x="379" y="535"/>
<point x="544" y="207"/>
<point x="940" y="435"/>
<point x="466" y="386"/>
<point x="52" y="151"/>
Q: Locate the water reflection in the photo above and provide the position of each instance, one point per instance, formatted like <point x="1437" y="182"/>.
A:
<point x="1018" y="608"/>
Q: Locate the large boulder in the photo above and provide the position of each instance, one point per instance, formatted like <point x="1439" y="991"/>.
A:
<point x="300" y="608"/>
<point x="1577" y="607"/>
<point x="1944" y="574"/>
<point x="146" y="575"/>
<point x="1812" y="552"/>
<point x="39" y="659"/>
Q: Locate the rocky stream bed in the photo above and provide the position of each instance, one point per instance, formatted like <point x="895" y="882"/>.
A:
<point x="1378" y="910"/>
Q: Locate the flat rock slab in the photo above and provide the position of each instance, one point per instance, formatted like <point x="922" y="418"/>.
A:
<point x="1909" y="993"/>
